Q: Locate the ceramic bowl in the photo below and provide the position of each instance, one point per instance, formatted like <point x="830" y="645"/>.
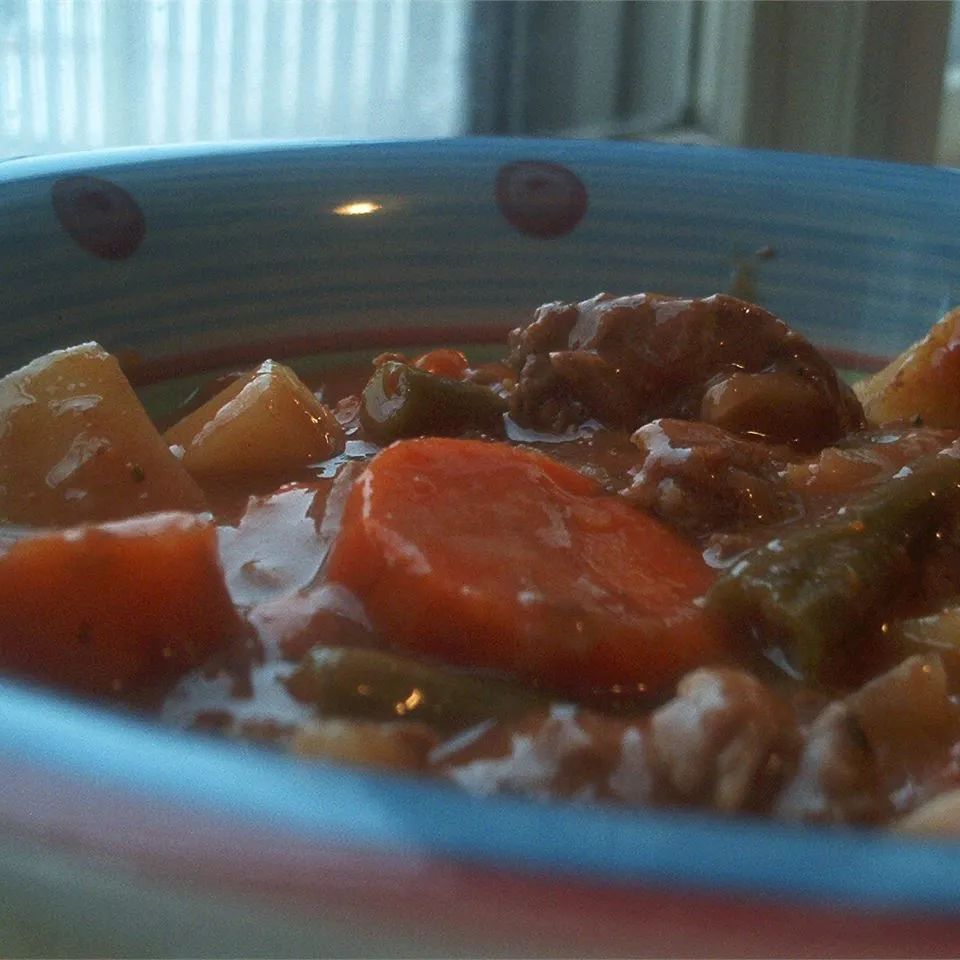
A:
<point x="118" y="837"/>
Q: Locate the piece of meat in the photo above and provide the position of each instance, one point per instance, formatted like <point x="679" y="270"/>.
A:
<point x="563" y="752"/>
<point x="701" y="479"/>
<point x="708" y="482"/>
<point x="628" y="360"/>
<point x="837" y="780"/>
<point x="860" y="459"/>
<point x="724" y="742"/>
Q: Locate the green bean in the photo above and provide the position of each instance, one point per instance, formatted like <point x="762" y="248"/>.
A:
<point x="376" y="685"/>
<point x="402" y="401"/>
<point x="813" y="593"/>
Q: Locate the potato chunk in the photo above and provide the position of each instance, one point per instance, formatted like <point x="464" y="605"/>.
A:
<point x="924" y="381"/>
<point x="939" y="817"/>
<point x="396" y="746"/>
<point x="265" y="423"/>
<point x="98" y="608"/>
<point x="76" y="445"/>
<point x="907" y="714"/>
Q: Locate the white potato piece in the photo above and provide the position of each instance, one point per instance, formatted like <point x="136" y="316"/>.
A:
<point x="264" y="423"/>
<point x="396" y="746"/>
<point x="939" y="817"/>
<point x="907" y="713"/>
<point x="76" y="445"/>
<point x="924" y="381"/>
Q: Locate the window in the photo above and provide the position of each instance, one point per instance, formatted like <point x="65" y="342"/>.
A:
<point x="855" y="78"/>
<point x="81" y="74"/>
<point x="948" y="140"/>
<point x="862" y="77"/>
<point x="585" y="69"/>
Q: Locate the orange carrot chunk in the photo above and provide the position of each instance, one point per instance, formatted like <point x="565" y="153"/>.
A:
<point x="444" y="363"/>
<point x="97" y="608"/>
<point x="488" y="555"/>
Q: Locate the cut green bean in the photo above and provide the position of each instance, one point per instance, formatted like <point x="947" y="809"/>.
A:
<point x="814" y="592"/>
<point x="376" y="685"/>
<point x="402" y="401"/>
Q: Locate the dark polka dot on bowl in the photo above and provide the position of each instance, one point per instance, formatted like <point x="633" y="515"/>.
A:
<point x="540" y="198"/>
<point x="99" y="216"/>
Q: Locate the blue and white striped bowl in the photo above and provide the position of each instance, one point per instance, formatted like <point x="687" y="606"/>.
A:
<point x="120" y="838"/>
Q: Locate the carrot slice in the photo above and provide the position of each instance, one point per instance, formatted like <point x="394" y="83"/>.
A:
<point x="489" y="555"/>
<point x="444" y="363"/>
<point x="97" y="608"/>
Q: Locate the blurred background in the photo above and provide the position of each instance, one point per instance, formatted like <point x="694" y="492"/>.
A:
<point x="872" y="79"/>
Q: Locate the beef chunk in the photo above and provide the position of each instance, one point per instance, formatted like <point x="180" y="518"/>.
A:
<point x="561" y="752"/>
<point x="701" y="479"/>
<point x="838" y="780"/>
<point x="628" y="360"/>
<point x="725" y="741"/>
<point x="857" y="461"/>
